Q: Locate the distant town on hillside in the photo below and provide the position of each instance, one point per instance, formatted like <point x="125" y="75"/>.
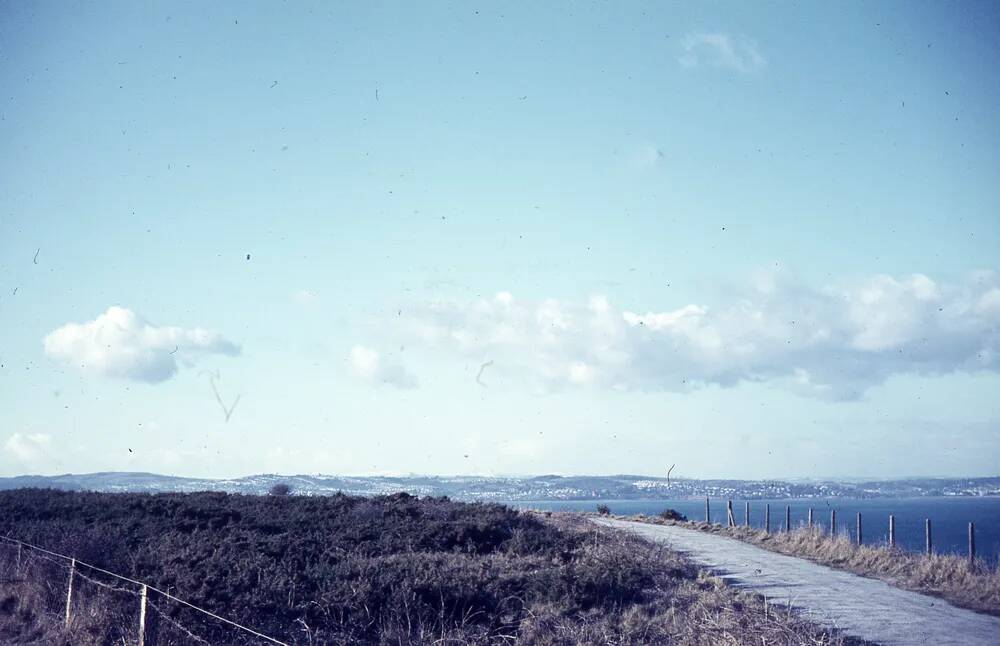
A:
<point x="514" y="489"/>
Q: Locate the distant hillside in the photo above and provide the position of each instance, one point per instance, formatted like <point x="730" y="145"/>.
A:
<point x="547" y="487"/>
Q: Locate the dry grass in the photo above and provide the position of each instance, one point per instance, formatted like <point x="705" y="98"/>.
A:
<point x="28" y="615"/>
<point x="644" y="594"/>
<point x="951" y="577"/>
<point x="684" y="606"/>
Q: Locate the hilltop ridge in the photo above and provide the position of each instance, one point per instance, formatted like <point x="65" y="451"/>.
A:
<point x="528" y="488"/>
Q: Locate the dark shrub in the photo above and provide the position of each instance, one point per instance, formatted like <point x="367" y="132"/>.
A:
<point x="672" y="514"/>
<point x="603" y="510"/>
<point x="342" y="570"/>
<point x="355" y="570"/>
<point x="280" y="489"/>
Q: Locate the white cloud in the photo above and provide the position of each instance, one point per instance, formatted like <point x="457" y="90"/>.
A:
<point x="598" y="303"/>
<point x="371" y="366"/>
<point x="580" y="373"/>
<point x="887" y="312"/>
<point x="365" y="362"/>
<point x="120" y="343"/>
<point x="737" y="53"/>
<point x="28" y="448"/>
<point x="989" y="303"/>
<point x="833" y="342"/>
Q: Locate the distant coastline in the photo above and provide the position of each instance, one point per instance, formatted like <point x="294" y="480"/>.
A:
<point x="524" y="489"/>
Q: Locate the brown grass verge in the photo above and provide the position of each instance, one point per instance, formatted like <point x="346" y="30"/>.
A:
<point x="975" y="586"/>
<point x="685" y="606"/>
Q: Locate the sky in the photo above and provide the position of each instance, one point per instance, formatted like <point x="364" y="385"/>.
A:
<point x="751" y="241"/>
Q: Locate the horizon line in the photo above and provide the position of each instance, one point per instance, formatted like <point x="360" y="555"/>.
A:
<point x="413" y="475"/>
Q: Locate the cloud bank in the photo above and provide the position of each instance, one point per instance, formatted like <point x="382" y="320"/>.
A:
<point x="834" y="342"/>
<point x="120" y="343"/>
<point x="28" y="448"/>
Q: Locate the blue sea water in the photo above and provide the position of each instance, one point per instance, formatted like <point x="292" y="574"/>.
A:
<point x="950" y="517"/>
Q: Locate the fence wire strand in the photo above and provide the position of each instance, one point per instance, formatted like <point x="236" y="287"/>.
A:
<point x="83" y="576"/>
<point x="42" y="552"/>
<point x="176" y="624"/>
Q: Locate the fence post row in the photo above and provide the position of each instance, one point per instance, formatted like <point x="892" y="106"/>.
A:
<point x="730" y="522"/>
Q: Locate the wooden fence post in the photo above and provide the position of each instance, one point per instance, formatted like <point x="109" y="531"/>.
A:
<point x="767" y="518"/>
<point x="972" y="544"/>
<point x="810" y="521"/>
<point x="69" y="589"/>
<point x="746" y="514"/>
<point x="928" y="545"/>
<point x="142" y="617"/>
<point x="892" y="532"/>
<point x="859" y="528"/>
<point x="833" y="522"/>
<point x="730" y="519"/>
<point x="788" y="519"/>
<point x="708" y="513"/>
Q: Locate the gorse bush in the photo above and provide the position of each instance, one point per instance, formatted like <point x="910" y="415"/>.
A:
<point x="338" y="570"/>
<point x="280" y="489"/>
<point x="672" y="514"/>
<point x="603" y="510"/>
<point x="265" y="561"/>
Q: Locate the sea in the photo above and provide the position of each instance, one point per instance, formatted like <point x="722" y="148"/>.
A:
<point x="950" y="517"/>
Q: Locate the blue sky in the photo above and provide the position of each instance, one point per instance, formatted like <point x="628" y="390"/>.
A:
<point x="754" y="241"/>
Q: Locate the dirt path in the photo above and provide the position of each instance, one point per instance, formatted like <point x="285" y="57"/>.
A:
<point x="865" y="608"/>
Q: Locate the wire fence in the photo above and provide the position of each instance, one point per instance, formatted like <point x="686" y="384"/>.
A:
<point x="852" y="530"/>
<point x="75" y="569"/>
